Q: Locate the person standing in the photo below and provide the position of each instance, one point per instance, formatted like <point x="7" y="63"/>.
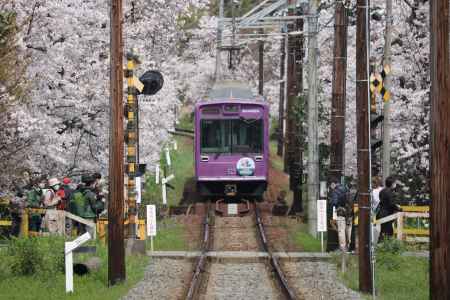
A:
<point x="341" y="204"/>
<point x="54" y="219"/>
<point x="387" y="207"/>
<point x="378" y="187"/>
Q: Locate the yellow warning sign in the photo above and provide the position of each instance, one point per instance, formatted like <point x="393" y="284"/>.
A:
<point x="378" y="82"/>
<point x="138" y="84"/>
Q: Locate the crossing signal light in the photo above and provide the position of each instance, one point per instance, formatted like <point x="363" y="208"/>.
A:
<point x="142" y="168"/>
<point x="153" y="81"/>
<point x="375" y="120"/>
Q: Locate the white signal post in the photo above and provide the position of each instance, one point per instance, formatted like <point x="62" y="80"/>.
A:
<point x="164" y="181"/>
<point x="68" y="252"/>
<point x="151" y="223"/>
<point x="168" y="156"/>
<point x="157" y="174"/>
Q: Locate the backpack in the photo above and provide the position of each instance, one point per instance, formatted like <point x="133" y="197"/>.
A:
<point x="345" y="206"/>
<point x="34" y="199"/>
<point x="83" y="203"/>
<point x="80" y="205"/>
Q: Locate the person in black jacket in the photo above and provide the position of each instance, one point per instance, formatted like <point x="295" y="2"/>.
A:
<point x="341" y="203"/>
<point x="387" y="207"/>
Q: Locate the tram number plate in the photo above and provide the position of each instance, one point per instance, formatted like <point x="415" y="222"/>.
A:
<point x="232" y="209"/>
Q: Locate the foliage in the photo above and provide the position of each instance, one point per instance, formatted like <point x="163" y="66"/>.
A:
<point x="307" y="242"/>
<point x="92" y="286"/>
<point x="391" y="246"/>
<point x="300" y="237"/>
<point x="36" y="256"/>
<point x="14" y="136"/>
<point x="244" y="6"/>
<point x="169" y="237"/>
<point x="187" y="121"/>
<point x="396" y="276"/>
<point x="182" y="162"/>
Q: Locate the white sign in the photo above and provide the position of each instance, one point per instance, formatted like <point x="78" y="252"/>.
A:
<point x="157" y="174"/>
<point x="138" y="190"/>
<point x="151" y="220"/>
<point x="232" y="209"/>
<point x="321" y="215"/>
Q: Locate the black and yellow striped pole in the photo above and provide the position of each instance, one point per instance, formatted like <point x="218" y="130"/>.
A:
<point x="134" y="85"/>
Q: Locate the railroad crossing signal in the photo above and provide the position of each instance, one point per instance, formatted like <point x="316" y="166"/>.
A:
<point x="377" y="87"/>
<point x="375" y="119"/>
<point x="376" y="83"/>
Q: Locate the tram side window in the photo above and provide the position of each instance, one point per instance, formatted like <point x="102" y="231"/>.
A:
<point x="215" y="136"/>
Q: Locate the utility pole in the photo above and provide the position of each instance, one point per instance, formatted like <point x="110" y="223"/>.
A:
<point x="291" y="93"/>
<point x="313" y="118"/>
<point x="219" y="41"/>
<point x="281" y="112"/>
<point x="386" y="166"/>
<point x="363" y="143"/>
<point x="116" y="250"/>
<point x="296" y="167"/>
<point x="261" y="65"/>
<point x="338" y="105"/>
<point x="440" y="150"/>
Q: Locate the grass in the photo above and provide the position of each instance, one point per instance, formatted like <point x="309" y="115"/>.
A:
<point x="186" y="121"/>
<point x="277" y="161"/>
<point x="170" y="237"/>
<point x="303" y="240"/>
<point x="52" y="286"/>
<point x="396" y="276"/>
<point x="182" y="166"/>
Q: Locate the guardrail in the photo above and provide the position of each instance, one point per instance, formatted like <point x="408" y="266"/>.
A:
<point x="98" y="229"/>
<point x="417" y="234"/>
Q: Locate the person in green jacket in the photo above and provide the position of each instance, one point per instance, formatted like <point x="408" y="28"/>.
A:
<point x="84" y="201"/>
<point x="34" y="200"/>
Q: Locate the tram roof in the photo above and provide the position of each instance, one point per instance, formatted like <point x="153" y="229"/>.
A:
<point x="231" y="90"/>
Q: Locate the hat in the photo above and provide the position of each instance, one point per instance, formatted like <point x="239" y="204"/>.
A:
<point x="67" y="180"/>
<point x="53" y="181"/>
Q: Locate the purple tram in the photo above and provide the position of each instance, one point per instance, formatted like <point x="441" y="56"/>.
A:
<point x="231" y="143"/>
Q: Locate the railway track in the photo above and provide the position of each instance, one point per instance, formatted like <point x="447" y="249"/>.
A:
<point x="283" y="283"/>
<point x="256" y="270"/>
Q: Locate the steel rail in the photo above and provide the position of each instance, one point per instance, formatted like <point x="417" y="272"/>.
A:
<point x="273" y="260"/>
<point x="201" y="262"/>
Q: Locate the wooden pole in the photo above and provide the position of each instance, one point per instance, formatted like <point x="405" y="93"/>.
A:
<point x="116" y="250"/>
<point x="261" y="65"/>
<point x="338" y="101"/>
<point x="440" y="151"/>
<point x="338" y="105"/>
<point x="296" y="168"/>
<point x="363" y="141"/>
<point x="291" y="93"/>
<point x="281" y="112"/>
<point x="313" y="116"/>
